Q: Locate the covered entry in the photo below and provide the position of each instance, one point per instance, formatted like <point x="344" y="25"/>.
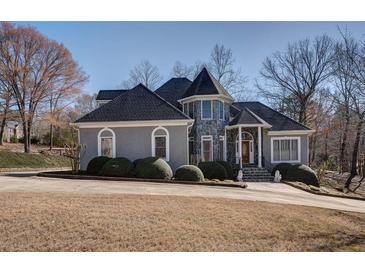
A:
<point x="247" y="144"/>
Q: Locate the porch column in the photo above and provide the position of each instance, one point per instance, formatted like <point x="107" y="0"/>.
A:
<point x="240" y="145"/>
<point x="225" y="145"/>
<point x="259" y="145"/>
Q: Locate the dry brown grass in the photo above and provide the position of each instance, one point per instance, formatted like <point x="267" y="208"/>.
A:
<point x="68" y="222"/>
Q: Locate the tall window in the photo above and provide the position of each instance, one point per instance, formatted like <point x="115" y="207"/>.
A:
<point x="221" y="110"/>
<point x="191" y="110"/>
<point x="160" y="143"/>
<point x="221" y="148"/>
<point x="285" y="149"/>
<point x="185" y="108"/>
<point x="207" y="148"/>
<point x="106" y="143"/>
<point x="206" y="110"/>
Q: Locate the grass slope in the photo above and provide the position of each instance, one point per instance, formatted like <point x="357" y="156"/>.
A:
<point x="9" y="159"/>
<point x="73" y="222"/>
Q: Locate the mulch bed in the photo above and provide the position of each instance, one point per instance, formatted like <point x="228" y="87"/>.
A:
<point x="324" y="191"/>
<point x="69" y="175"/>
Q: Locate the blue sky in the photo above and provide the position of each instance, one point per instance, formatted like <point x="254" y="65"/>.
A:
<point x="107" y="51"/>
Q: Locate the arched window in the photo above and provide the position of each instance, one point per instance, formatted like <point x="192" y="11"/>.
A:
<point x="106" y="143"/>
<point x="161" y="143"/>
<point x="247" y="147"/>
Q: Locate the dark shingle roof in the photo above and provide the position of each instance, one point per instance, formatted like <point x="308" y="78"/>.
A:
<point x="278" y="120"/>
<point x="244" y="117"/>
<point x="173" y="90"/>
<point x="109" y="94"/>
<point x="137" y="104"/>
<point x="205" y="84"/>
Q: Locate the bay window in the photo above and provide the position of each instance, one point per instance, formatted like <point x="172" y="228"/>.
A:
<point x="221" y="110"/>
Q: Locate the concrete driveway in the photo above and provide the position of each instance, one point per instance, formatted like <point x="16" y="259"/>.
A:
<point x="269" y="192"/>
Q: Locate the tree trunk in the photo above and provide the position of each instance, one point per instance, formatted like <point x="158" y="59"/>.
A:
<point x="355" y="153"/>
<point x="25" y="134"/>
<point x="343" y="162"/>
<point x="51" y="137"/>
<point x="2" y="128"/>
<point x="326" y="147"/>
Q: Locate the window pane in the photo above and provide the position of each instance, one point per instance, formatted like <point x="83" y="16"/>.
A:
<point x="207" y="153"/>
<point x="294" y="150"/>
<point x="221" y="110"/>
<point x="276" y="150"/>
<point x="285" y="150"/>
<point x="160" y="147"/>
<point x="191" y="110"/>
<point x="107" y="147"/>
<point x="207" y="109"/>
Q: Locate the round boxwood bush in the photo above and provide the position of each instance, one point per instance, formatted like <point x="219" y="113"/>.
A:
<point x="229" y="170"/>
<point x="213" y="170"/>
<point x="153" y="168"/>
<point x="283" y="168"/>
<point x="189" y="173"/>
<point x="118" y="167"/>
<point x="302" y="173"/>
<point x="96" y="164"/>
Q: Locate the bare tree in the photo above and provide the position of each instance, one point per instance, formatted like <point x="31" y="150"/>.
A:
<point x="181" y="70"/>
<point x="144" y="73"/>
<point x="5" y="105"/>
<point x="298" y="73"/>
<point x="33" y="66"/>
<point x="59" y="100"/>
<point x="356" y="54"/>
<point x="222" y="66"/>
<point x="345" y="85"/>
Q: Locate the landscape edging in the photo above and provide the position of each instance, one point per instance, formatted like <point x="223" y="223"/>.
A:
<point x="104" y="178"/>
<point x="322" y="194"/>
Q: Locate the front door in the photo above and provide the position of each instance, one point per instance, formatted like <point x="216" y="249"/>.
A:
<point x="245" y="152"/>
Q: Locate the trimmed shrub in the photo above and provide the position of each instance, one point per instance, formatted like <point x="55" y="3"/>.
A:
<point x="189" y="173"/>
<point x="213" y="170"/>
<point x="118" y="167"/>
<point x="96" y="164"/>
<point x="302" y="173"/>
<point x="283" y="168"/>
<point x="229" y="170"/>
<point x="153" y="168"/>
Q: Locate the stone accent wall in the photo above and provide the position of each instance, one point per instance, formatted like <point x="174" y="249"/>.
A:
<point x="214" y="127"/>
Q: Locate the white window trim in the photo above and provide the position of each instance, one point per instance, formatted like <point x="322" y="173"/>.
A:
<point x="153" y="142"/>
<point x="113" y="141"/>
<point x="285" y="138"/>
<point x="206" y="138"/>
<point x="211" y="110"/>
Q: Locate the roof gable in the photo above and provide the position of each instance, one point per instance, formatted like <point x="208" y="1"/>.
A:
<point x="277" y="120"/>
<point x="245" y="117"/>
<point x="173" y="90"/>
<point x="137" y="104"/>
<point x="205" y="84"/>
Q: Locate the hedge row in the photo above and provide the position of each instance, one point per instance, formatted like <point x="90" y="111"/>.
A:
<point x="298" y="172"/>
<point x="157" y="168"/>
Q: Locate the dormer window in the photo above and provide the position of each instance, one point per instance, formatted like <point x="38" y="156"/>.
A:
<point x="207" y="110"/>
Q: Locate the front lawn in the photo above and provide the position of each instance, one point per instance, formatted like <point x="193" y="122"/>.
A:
<point x="9" y="159"/>
<point x="74" y="222"/>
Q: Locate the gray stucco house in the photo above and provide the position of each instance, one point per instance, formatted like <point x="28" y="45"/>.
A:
<point x="187" y="122"/>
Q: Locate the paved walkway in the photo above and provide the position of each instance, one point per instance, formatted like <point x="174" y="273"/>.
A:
<point x="269" y="192"/>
